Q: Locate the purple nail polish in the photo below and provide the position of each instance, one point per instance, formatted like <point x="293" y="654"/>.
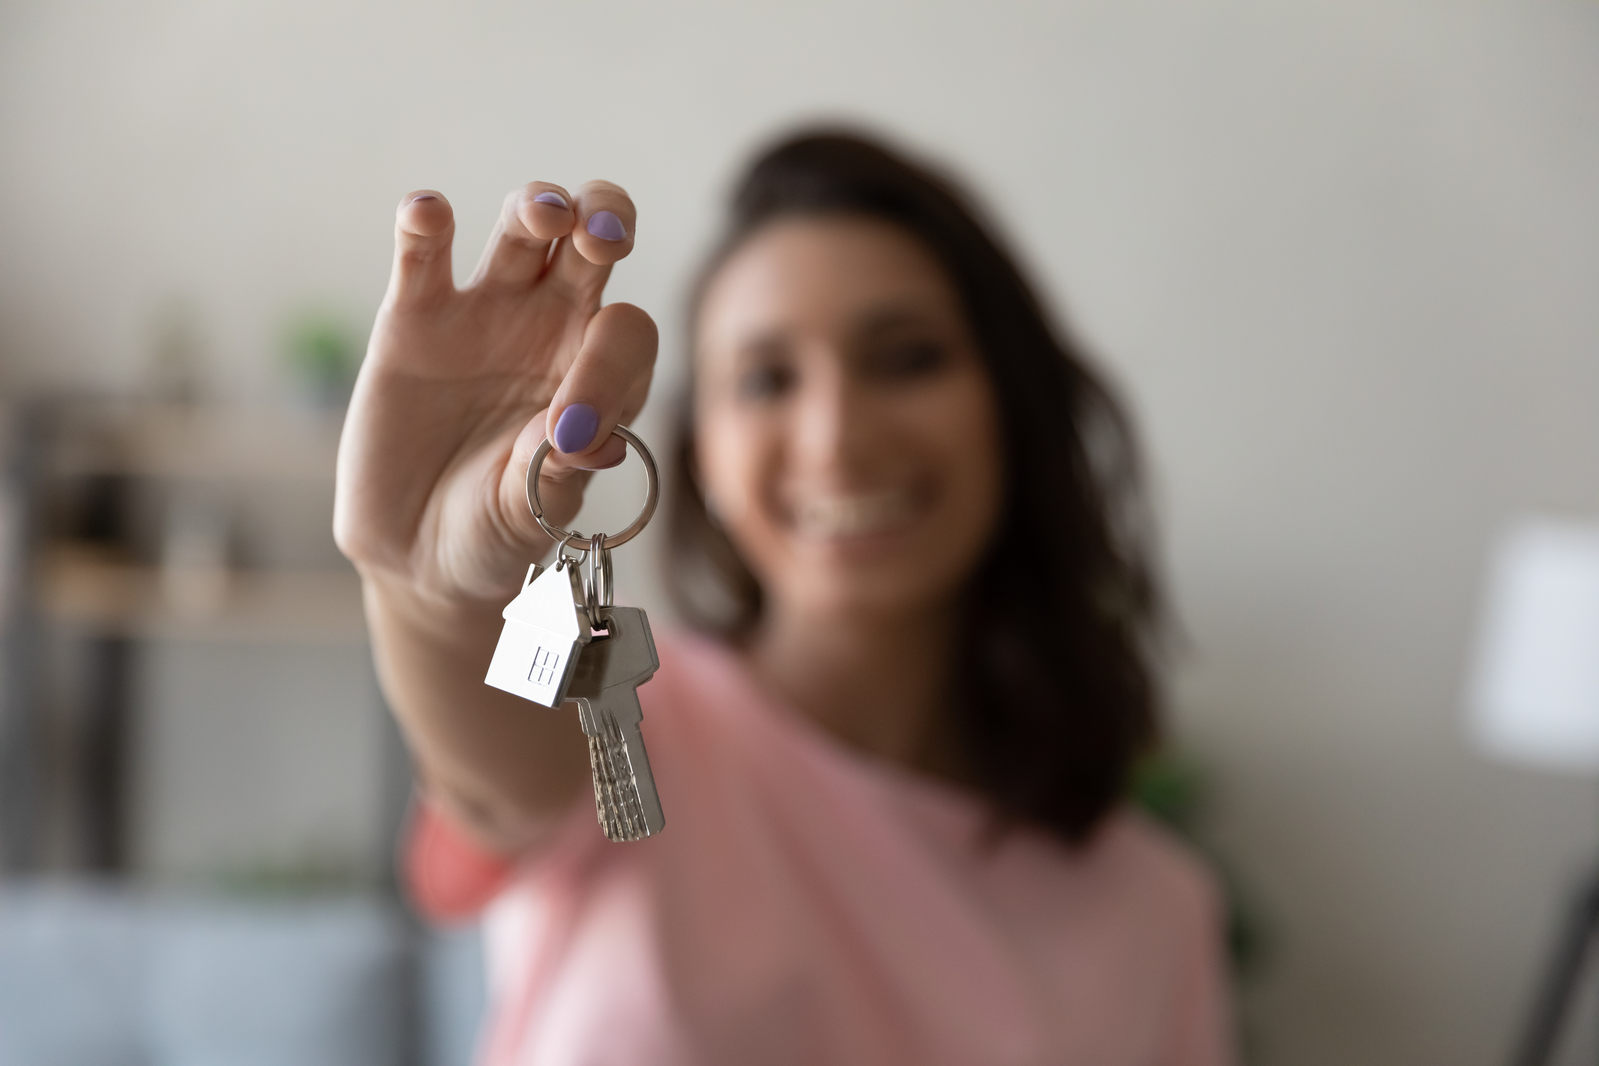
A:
<point x="554" y="199"/>
<point x="576" y="427"/>
<point x="606" y="226"/>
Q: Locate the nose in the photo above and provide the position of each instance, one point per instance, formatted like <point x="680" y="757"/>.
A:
<point x="832" y="427"/>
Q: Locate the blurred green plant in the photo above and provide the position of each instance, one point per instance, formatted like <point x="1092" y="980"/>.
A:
<point x="323" y="354"/>
<point x="307" y="875"/>
<point x="1173" y="789"/>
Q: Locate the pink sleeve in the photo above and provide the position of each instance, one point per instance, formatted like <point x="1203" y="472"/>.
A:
<point x="449" y="878"/>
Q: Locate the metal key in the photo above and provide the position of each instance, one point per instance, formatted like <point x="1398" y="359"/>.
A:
<point x="604" y="686"/>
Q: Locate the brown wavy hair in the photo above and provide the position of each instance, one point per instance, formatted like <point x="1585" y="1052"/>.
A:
<point x="1062" y="610"/>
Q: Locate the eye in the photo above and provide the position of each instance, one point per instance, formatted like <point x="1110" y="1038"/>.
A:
<point x="907" y="359"/>
<point x="766" y="381"/>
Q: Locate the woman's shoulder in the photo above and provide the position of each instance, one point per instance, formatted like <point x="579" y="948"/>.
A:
<point x="1132" y="904"/>
<point x="1130" y="866"/>
<point x="1136" y="850"/>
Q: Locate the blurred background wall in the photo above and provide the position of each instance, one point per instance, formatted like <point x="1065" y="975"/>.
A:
<point x="1342" y="256"/>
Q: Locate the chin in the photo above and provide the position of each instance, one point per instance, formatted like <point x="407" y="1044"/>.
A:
<point x="861" y="577"/>
<point x="916" y="563"/>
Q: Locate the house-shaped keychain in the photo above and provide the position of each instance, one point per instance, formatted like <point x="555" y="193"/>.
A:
<point x="546" y="627"/>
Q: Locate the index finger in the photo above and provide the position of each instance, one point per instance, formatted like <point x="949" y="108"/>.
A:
<point x="424" y="227"/>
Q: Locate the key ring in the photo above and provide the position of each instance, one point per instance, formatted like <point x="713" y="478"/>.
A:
<point x="597" y="579"/>
<point x="563" y="560"/>
<point x="603" y="542"/>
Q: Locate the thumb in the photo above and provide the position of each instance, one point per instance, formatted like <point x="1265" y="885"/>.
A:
<point x="611" y="371"/>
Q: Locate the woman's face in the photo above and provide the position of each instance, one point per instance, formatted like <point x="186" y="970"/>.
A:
<point x="846" y="428"/>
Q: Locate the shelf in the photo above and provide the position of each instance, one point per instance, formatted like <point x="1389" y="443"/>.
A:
<point x="86" y="589"/>
<point x="235" y="443"/>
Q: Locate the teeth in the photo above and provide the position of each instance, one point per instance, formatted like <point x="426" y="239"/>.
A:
<point x="853" y="516"/>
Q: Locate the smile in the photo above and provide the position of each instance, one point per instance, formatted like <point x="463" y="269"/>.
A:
<point x="856" y="515"/>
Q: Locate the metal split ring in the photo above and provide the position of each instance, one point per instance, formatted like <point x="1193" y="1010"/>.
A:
<point x="578" y="554"/>
<point x="597" y="580"/>
<point x="603" y="542"/>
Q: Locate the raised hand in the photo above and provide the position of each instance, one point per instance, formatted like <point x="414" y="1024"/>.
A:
<point x="458" y="389"/>
<point x="460" y="386"/>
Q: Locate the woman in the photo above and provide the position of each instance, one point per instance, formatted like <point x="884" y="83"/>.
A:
<point x="894" y="756"/>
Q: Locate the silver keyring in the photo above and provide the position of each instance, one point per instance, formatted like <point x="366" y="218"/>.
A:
<point x="652" y="495"/>
<point x="597" y="580"/>
<point x="562" y="559"/>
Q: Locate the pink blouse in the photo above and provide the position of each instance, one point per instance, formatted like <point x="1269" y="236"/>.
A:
<point x="806" y="905"/>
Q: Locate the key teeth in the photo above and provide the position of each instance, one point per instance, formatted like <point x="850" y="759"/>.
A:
<point x="616" y="794"/>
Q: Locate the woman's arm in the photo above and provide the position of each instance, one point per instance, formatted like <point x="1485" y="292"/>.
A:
<point x="458" y="388"/>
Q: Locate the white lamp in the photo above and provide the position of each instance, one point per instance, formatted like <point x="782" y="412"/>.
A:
<point x="1534" y="696"/>
<point x="1534" y="699"/>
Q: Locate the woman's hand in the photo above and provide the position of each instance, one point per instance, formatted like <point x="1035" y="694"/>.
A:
<point x="458" y="389"/>
<point x="460" y="386"/>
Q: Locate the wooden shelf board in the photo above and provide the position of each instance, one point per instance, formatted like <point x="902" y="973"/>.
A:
<point x="78" y="589"/>
<point x="205" y="441"/>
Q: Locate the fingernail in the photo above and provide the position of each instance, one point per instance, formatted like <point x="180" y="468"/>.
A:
<point x="606" y="226"/>
<point x="576" y="427"/>
<point x="424" y="196"/>
<point x="554" y="199"/>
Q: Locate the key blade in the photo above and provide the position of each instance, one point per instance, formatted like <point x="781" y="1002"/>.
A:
<point x="649" y="798"/>
<point x="625" y="798"/>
